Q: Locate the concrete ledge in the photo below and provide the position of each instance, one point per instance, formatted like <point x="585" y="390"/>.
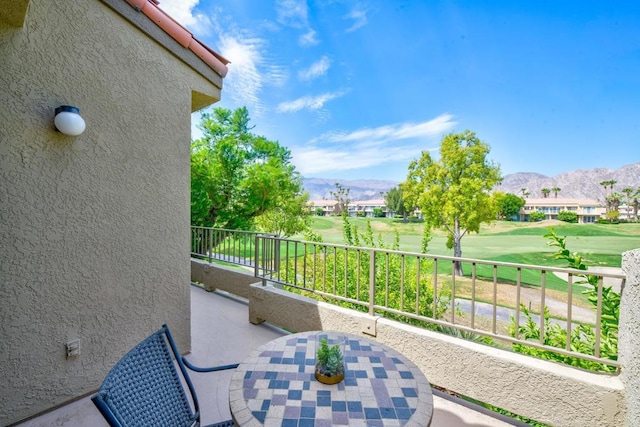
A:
<point x="538" y="389"/>
<point x="224" y="278"/>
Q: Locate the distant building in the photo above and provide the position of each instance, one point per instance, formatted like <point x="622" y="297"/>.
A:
<point x="588" y="211"/>
<point x="366" y="207"/>
<point x="328" y="206"/>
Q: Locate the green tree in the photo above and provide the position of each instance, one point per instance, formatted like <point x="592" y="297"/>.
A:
<point x="453" y="192"/>
<point x="545" y="192"/>
<point x="568" y="216"/>
<point x="341" y="196"/>
<point x="237" y="176"/>
<point x="395" y="202"/>
<point x="508" y="204"/>
<point x="556" y="190"/>
<point x="378" y="212"/>
<point x="628" y="191"/>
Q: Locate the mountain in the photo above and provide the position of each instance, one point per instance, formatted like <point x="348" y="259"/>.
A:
<point x="577" y="184"/>
<point x="360" y="189"/>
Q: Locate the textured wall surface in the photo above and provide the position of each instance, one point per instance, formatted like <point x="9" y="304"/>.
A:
<point x="94" y="228"/>
<point x="541" y="390"/>
<point x="223" y="278"/>
<point x="629" y="341"/>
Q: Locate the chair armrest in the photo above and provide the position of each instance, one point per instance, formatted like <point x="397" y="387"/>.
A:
<point x="211" y="369"/>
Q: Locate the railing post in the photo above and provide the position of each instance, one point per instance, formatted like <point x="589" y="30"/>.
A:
<point x="210" y="244"/>
<point x="256" y="260"/>
<point x="629" y="335"/>
<point x="372" y="282"/>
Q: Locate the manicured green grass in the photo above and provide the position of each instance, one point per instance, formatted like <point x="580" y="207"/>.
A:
<point x="519" y="242"/>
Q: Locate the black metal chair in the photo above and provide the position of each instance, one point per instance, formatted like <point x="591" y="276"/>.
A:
<point x="144" y="388"/>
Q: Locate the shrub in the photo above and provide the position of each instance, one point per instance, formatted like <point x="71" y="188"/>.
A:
<point x="319" y="211"/>
<point x="568" y="216"/>
<point x="536" y="216"/>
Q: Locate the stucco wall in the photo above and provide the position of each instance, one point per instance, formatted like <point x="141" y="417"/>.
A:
<point x="629" y="341"/>
<point x="541" y="390"/>
<point x="223" y="278"/>
<point x="94" y="228"/>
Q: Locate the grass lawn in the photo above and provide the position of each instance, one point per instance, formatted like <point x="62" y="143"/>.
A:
<point x="518" y="242"/>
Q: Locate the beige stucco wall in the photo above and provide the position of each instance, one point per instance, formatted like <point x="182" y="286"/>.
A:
<point x="232" y="280"/>
<point x="94" y="228"/>
<point x="629" y="341"/>
<point x="538" y="389"/>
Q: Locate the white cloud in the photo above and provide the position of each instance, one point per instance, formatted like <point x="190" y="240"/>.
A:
<point x="308" y="102"/>
<point x="339" y="151"/>
<point x="359" y="17"/>
<point x="316" y="69"/>
<point x="292" y="13"/>
<point x="308" y="39"/>
<point x="182" y="11"/>
<point x="249" y="71"/>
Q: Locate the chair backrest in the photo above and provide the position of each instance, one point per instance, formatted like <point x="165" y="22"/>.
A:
<point x="144" y="388"/>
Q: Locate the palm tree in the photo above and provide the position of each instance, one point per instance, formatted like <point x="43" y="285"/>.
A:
<point x="545" y="192"/>
<point x="635" y="196"/>
<point x="524" y="192"/>
<point x="555" y="191"/>
<point x="628" y="191"/>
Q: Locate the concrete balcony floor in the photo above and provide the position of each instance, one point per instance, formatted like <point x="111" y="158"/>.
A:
<point x="221" y="334"/>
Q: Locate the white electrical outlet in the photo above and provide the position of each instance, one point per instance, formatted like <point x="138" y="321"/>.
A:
<point x="73" y="348"/>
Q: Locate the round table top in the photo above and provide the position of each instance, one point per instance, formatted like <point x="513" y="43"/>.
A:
<point x="275" y="386"/>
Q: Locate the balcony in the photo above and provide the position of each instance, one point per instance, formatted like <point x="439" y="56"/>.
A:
<point x="221" y="334"/>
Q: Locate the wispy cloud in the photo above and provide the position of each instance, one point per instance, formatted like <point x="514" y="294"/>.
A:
<point x="249" y="70"/>
<point x="309" y="38"/>
<point x="183" y="12"/>
<point x="339" y="151"/>
<point x="359" y="17"/>
<point x="308" y="102"/>
<point x="295" y="14"/>
<point x="316" y="69"/>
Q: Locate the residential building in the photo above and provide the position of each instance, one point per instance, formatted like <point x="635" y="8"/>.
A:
<point x="588" y="211"/>
<point x="366" y="208"/>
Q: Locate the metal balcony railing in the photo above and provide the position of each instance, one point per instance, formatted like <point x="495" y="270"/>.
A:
<point x="514" y="306"/>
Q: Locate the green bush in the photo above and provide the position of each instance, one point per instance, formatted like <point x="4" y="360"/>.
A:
<point x="536" y="216"/>
<point x="319" y="211"/>
<point x="568" y="216"/>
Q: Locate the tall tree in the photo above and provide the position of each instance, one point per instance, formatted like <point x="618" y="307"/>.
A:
<point x="545" y="192"/>
<point x="395" y="202"/>
<point x="237" y="176"/>
<point x="628" y="191"/>
<point x="341" y="196"/>
<point x="556" y="190"/>
<point x="453" y="192"/>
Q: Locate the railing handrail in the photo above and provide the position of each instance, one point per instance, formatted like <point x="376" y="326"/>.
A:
<point x="267" y="254"/>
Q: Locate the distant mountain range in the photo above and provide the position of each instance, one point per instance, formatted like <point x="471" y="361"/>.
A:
<point x="579" y="184"/>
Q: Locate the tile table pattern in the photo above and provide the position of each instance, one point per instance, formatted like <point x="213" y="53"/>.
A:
<point x="275" y="386"/>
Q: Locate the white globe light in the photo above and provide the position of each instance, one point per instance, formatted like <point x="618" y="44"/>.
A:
<point x="69" y="121"/>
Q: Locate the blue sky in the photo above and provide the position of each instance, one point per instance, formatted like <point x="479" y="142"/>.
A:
<point x="357" y="89"/>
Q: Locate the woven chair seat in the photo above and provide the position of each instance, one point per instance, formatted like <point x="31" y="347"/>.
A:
<point x="145" y="389"/>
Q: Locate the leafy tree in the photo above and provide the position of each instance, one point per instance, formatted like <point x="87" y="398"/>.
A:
<point x="341" y="195"/>
<point x="568" y="216"/>
<point x="237" y="176"/>
<point x="453" y="192"/>
<point x="508" y="204"/>
<point x="524" y="192"/>
<point x="628" y="191"/>
<point x="378" y="212"/>
<point x="319" y="211"/>
<point x="536" y="216"/>
<point x="556" y="190"/>
<point x="545" y="192"/>
<point x="395" y="202"/>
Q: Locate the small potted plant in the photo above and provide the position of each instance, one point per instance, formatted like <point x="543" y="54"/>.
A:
<point x="329" y="362"/>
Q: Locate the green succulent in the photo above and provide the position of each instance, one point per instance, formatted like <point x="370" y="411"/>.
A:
<point x="330" y="361"/>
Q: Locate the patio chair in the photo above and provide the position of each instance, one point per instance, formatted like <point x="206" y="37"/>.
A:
<point x="145" y="389"/>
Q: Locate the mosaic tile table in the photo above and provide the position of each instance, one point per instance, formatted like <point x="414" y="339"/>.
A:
<point x="275" y="386"/>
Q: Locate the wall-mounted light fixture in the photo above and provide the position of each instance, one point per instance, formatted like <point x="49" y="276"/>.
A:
<point x="68" y="120"/>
